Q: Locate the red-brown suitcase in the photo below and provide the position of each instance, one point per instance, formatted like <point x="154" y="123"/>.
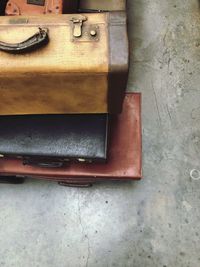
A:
<point x="37" y="7"/>
<point x="124" y="159"/>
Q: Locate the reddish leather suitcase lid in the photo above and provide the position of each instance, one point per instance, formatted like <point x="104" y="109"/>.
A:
<point x="124" y="157"/>
<point x="36" y="7"/>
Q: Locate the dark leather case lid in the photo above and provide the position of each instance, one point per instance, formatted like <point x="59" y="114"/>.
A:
<point x="63" y="136"/>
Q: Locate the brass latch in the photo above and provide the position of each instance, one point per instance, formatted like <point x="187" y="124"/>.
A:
<point x="78" y="23"/>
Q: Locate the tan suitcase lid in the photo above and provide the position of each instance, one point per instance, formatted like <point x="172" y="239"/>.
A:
<point x="63" y="53"/>
<point x="81" y="69"/>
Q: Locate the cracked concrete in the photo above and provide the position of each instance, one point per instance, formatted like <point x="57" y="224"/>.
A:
<point x="85" y="236"/>
<point x="154" y="222"/>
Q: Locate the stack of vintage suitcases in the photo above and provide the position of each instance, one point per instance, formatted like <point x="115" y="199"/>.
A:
<point x="64" y="113"/>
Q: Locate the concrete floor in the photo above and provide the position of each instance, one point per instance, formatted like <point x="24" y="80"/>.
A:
<point x="154" y="222"/>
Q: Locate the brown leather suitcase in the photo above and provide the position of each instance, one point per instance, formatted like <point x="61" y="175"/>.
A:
<point x="102" y="5"/>
<point x="36" y="7"/>
<point x="71" y="64"/>
<point x="124" y="158"/>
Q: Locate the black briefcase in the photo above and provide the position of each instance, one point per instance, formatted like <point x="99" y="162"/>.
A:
<point x="52" y="140"/>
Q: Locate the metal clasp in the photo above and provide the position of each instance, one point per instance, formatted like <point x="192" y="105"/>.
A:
<point x="78" y="23"/>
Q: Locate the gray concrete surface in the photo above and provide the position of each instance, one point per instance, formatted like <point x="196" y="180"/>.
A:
<point x="154" y="222"/>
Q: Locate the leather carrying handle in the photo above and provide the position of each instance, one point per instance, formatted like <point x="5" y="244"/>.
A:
<point x="33" y="43"/>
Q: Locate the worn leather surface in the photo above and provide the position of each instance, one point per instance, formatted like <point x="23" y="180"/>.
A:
<point x="54" y="136"/>
<point x="102" y="5"/>
<point x="119" y="61"/>
<point x="36" y="7"/>
<point x="124" y="155"/>
<point x="69" y="75"/>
